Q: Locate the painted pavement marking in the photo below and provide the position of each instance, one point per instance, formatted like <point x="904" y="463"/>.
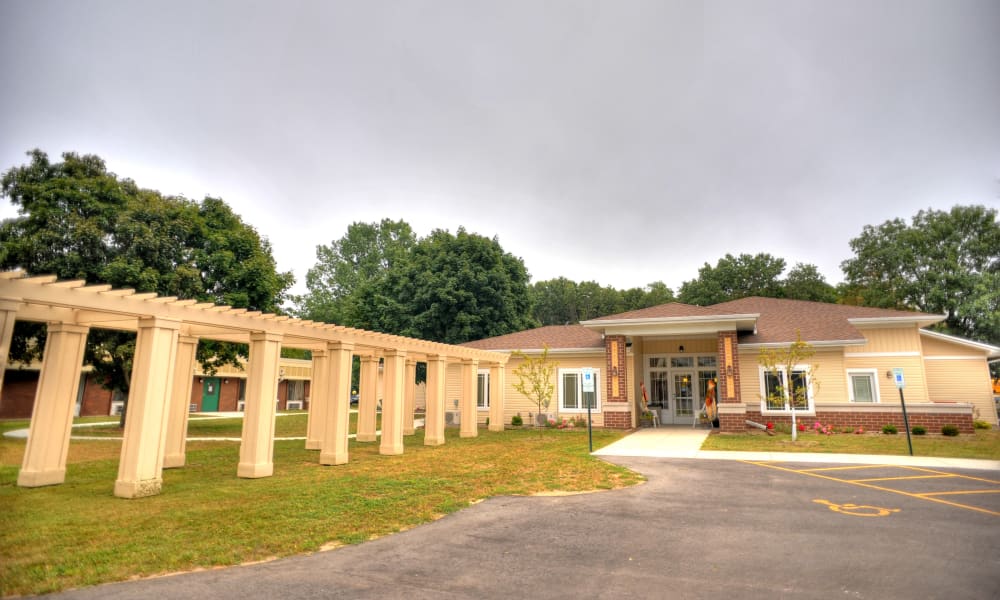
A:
<point x="866" y="483"/>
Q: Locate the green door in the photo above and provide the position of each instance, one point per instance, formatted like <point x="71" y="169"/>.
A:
<point x="210" y="395"/>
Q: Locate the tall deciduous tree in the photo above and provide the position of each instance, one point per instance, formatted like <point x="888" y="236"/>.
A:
<point x="804" y="282"/>
<point x="79" y="221"/>
<point x="944" y="262"/>
<point x="364" y="254"/>
<point x="562" y="301"/>
<point x="449" y="288"/>
<point x="735" y="277"/>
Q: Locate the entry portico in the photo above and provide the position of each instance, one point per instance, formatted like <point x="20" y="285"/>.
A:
<point x="167" y="332"/>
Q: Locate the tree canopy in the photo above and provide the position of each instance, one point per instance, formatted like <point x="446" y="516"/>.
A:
<point x="562" y="301"/>
<point x="944" y="262"/>
<point x="79" y="221"/>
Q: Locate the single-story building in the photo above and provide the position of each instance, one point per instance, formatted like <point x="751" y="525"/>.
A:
<point x="667" y="358"/>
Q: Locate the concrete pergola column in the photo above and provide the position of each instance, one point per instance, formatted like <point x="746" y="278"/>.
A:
<point x="470" y="416"/>
<point x="140" y="470"/>
<point x="333" y="450"/>
<point x="409" y="396"/>
<point x="368" y="400"/>
<point x="257" y="445"/>
<point x="44" y="460"/>
<point x="8" y="314"/>
<point x="175" y="452"/>
<point x="392" y="402"/>
<point x="318" y="399"/>
<point x="496" y="397"/>
<point x="436" y="390"/>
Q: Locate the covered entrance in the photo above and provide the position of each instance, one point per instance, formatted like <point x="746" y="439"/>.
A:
<point x="678" y="385"/>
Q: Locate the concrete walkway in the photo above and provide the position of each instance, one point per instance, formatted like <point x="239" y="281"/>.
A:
<point x="685" y="442"/>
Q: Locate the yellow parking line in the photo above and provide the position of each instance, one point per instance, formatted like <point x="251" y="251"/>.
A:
<point x="959" y="492"/>
<point x="875" y="487"/>
<point x="969" y="477"/>
<point x="899" y="478"/>
<point x="843" y="468"/>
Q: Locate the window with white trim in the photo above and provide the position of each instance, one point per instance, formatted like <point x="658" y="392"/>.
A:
<point x="572" y="398"/>
<point x="779" y="393"/>
<point x="862" y="385"/>
<point x="483" y="389"/>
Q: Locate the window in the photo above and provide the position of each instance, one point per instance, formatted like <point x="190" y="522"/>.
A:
<point x="483" y="390"/>
<point x="296" y="390"/>
<point x="779" y="396"/>
<point x="682" y="361"/>
<point x="862" y="385"/>
<point x="707" y="361"/>
<point x="572" y="398"/>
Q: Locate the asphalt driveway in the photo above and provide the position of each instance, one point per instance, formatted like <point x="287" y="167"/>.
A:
<point x="696" y="529"/>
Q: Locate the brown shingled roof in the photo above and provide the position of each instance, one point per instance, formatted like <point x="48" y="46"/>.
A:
<point x="817" y="321"/>
<point x="665" y="311"/>
<point x="553" y="336"/>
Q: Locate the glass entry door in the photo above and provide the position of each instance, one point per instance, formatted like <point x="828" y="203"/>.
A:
<point x="683" y="396"/>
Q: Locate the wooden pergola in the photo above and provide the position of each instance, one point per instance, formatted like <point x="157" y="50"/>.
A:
<point x="168" y="331"/>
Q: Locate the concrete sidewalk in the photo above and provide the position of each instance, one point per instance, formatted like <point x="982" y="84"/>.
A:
<point x="685" y="442"/>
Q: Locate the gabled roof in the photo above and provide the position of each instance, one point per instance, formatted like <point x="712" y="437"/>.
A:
<point x="556" y="337"/>
<point x="757" y="321"/>
<point x="817" y="322"/>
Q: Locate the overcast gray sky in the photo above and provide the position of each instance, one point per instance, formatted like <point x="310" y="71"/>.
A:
<point x="620" y="141"/>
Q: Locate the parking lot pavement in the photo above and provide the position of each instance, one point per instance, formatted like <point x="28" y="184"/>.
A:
<point x="695" y="529"/>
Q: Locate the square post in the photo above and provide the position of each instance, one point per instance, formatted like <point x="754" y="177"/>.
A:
<point x="319" y="396"/>
<point x="470" y="416"/>
<point x="392" y="403"/>
<point x="257" y="444"/>
<point x="497" y="373"/>
<point x="436" y="391"/>
<point x="140" y="470"/>
<point x="337" y="414"/>
<point x="8" y="315"/>
<point x="174" y="454"/>
<point x="368" y="401"/>
<point x="44" y="460"/>
<point x="409" y="396"/>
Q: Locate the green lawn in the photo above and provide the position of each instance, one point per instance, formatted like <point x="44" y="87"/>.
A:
<point x="983" y="444"/>
<point x="78" y="533"/>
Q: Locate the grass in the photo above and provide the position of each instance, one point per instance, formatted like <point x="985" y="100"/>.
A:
<point x="78" y="534"/>
<point x="982" y="444"/>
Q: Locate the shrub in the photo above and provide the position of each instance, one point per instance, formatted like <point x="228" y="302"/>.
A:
<point x="949" y="430"/>
<point x="516" y="420"/>
<point x="918" y="430"/>
<point x="890" y="429"/>
<point x="978" y="424"/>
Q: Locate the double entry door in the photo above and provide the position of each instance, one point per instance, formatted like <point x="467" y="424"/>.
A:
<point x="675" y="393"/>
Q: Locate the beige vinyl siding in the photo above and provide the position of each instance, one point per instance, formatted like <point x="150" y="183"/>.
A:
<point x="691" y="346"/>
<point x="888" y="340"/>
<point x="515" y="402"/>
<point x="938" y="347"/>
<point x="962" y="381"/>
<point x="829" y="379"/>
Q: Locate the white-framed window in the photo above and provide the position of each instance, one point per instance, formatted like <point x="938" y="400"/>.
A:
<point x="483" y="389"/>
<point x="572" y="398"/>
<point x="778" y="391"/>
<point x="862" y="385"/>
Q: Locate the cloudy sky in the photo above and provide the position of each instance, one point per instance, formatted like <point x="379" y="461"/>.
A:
<point x="619" y="141"/>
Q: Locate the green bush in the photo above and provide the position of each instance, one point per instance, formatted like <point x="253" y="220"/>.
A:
<point x="890" y="429"/>
<point x="981" y="424"/>
<point x="919" y="430"/>
<point x="516" y="420"/>
<point x="949" y="430"/>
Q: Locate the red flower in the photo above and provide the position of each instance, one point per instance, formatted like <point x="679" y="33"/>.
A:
<point x="770" y="425"/>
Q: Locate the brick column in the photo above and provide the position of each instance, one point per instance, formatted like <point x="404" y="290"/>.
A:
<point x="617" y="413"/>
<point x="140" y="470"/>
<point x="436" y="390"/>
<point x="732" y="412"/>
<point x="368" y="401"/>
<point x="44" y="460"/>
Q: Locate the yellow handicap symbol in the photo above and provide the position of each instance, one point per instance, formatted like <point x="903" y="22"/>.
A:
<point x="858" y="510"/>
